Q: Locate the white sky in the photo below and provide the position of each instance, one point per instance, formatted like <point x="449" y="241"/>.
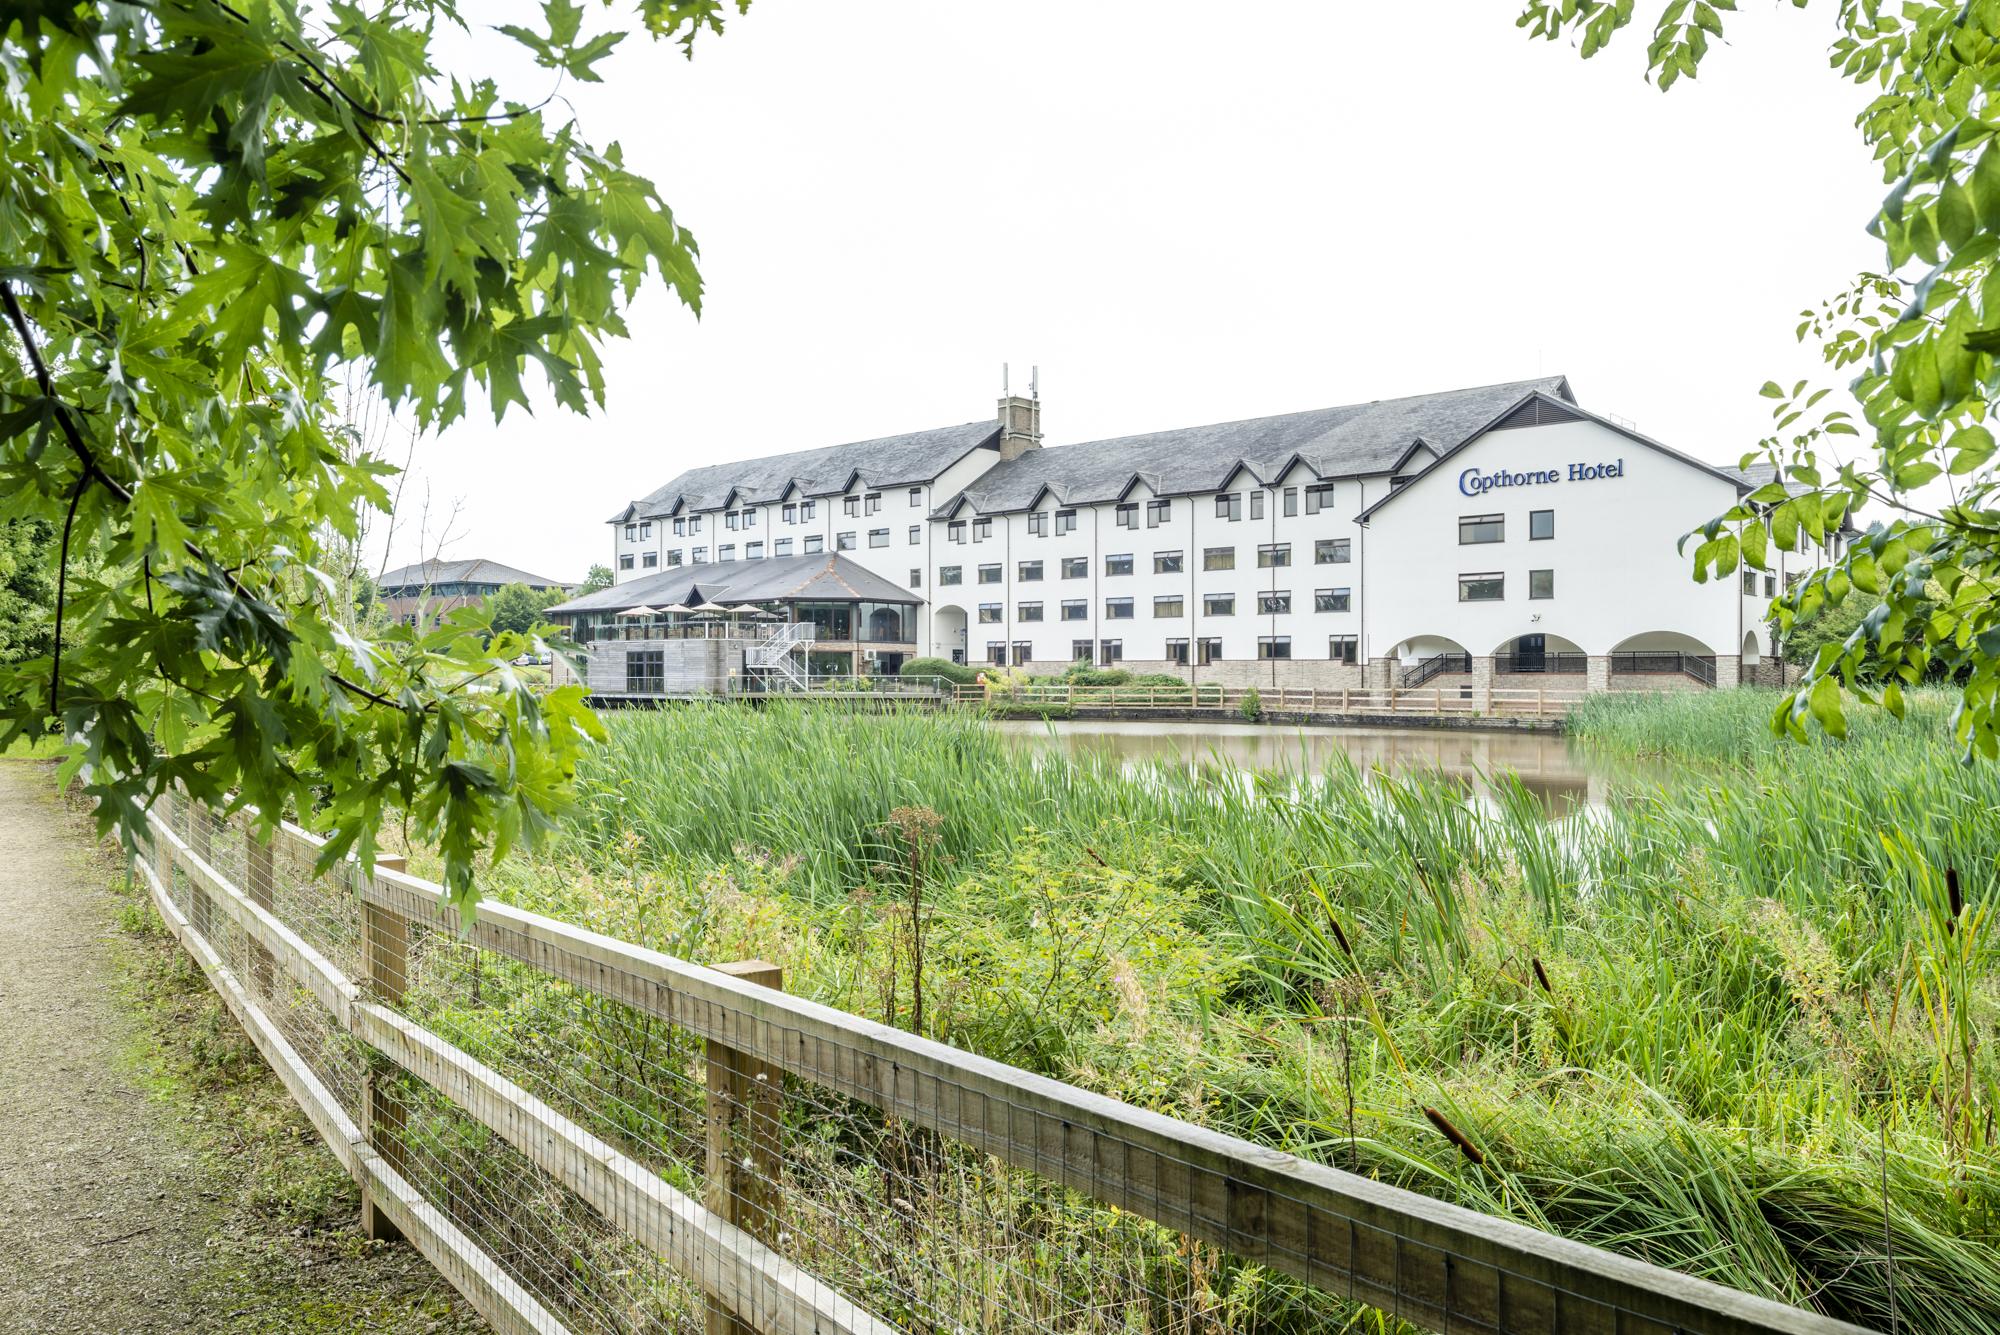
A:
<point x="1182" y="220"/>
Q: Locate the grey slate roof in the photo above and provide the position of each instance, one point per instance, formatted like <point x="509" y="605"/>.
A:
<point x="885" y="462"/>
<point x="827" y="578"/>
<point x="1347" y="441"/>
<point x="430" y="574"/>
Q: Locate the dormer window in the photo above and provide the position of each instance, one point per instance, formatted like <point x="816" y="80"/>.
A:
<point x="1319" y="496"/>
<point x="1065" y="522"/>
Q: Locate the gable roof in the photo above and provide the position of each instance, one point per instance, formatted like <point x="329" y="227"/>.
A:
<point x="1538" y="408"/>
<point x="430" y="574"/>
<point x="1351" y="440"/>
<point x="918" y="456"/>
<point x="827" y="578"/>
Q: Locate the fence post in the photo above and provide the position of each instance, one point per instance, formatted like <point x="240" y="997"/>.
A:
<point x="385" y="963"/>
<point x="258" y="873"/>
<point x="745" y="1094"/>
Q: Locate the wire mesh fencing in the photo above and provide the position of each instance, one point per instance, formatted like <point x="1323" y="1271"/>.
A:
<point x="588" y="1136"/>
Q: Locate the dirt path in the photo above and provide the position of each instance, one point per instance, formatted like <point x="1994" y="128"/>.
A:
<point x="101" y="1205"/>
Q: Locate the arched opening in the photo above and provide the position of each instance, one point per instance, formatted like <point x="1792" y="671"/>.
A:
<point x="1422" y="659"/>
<point x="1657" y="659"/>
<point x="1753" y="654"/>
<point x="948" y="633"/>
<point x="1540" y="654"/>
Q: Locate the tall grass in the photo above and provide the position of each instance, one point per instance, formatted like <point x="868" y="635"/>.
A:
<point x="1740" y="1022"/>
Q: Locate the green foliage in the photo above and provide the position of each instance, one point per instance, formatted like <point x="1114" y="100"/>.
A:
<point x="212" y="214"/>
<point x="1924" y="339"/>
<point x="1083" y="674"/>
<point x="29" y="552"/>
<point x="517" y="609"/>
<point x="1252" y="706"/>
<point x="957" y="673"/>
<point x="600" y="577"/>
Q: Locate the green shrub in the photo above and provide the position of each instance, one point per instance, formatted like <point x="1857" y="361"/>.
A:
<point x="1252" y="707"/>
<point x="1089" y="676"/>
<point x="957" y="673"/>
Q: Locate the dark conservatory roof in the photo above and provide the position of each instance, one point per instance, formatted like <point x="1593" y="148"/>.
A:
<point x="775" y="579"/>
<point x="1353" y="440"/>
<point x="430" y="574"/>
<point x="888" y="461"/>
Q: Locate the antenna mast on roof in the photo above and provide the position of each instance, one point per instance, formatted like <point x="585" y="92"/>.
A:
<point x="1035" y="383"/>
<point x="1004" y="370"/>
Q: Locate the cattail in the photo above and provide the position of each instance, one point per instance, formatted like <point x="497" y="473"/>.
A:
<point x="1956" y="897"/>
<point x="1542" y="976"/>
<point x="1340" y="937"/>
<point x="1455" y="1136"/>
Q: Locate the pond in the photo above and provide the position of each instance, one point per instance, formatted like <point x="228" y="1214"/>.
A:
<point x="1562" y="776"/>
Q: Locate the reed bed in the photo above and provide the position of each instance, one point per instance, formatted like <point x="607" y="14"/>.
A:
<point x="1740" y="1022"/>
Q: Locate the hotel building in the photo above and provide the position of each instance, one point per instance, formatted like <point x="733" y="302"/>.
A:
<point x="1446" y="538"/>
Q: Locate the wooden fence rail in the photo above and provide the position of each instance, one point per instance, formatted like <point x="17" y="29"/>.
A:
<point x="1429" y="1262"/>
<point x="1459" y="701"/>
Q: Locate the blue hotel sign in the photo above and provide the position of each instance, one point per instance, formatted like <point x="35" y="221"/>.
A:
<point x="1472" y="482"/>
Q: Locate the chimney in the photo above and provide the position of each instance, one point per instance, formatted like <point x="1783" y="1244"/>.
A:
<point x="1020" y="419"/>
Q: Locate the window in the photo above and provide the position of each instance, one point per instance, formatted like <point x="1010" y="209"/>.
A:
<point x="850" y="505"/>
<point x="749" y="519"/>
<point x="916" y="497"/>
<point x="675" y="557"/>
<point x="1333" y="600"/>
<point x="701" y="556"/>
<point x="1076" y="567"/>
<point x="625" y="561"/>
<point x="1274" y="646"/>
<point x="1541" y="583"/>
<point x="1028" y="571"/>
<point x="807" y="509"/>
<point x="1750" y="583"/>
<point x="649" y="560"/>
<point x="646" y="531"/>
<point x="982" y="529"/>
<point x="1272" y="554"/>
<point x="631" y="533"/>
<point x="916" y="578"/>
<point x="1038" y="525"/>
<point x="1117" y="609"/>
<point x="1770" y="586"/>
<point x="1487" y="588"/>
<point x="791" y="514"/>
<point x="645" y="672"/>
<point x="732" y="520"/>
<point x="1158" y="513"/>
<point x="1218" y="558"/>
<point x="996" y="652"/>
<point x="1397" y="483"/>
<point x="753" y="551"/>
<point x="726" y="552"/>
<point x="1319" y="496"/>
<point x="1274" y="602"/>
<point x="1177" y="652"/>
<point x="955" y="531"/>
<point x="1342" y="648"/>
<point x="951" y="574"/>
<point x="871" y="502"/>
<point x="1229" y="505"/>
<point x="1065" y="522"/>
<point x="1110" y="651"/>
<point x="1256" y="505"/>
<point x="990" y="574"/>
<point x="1481" y="528"/>
<point x="916" y="534"/>
<point x="1541" y="524"/>
<point x="1127" y="515"/>
<point x="1023" y="651"/>
<point x="781" y="547"/>
<point x="1075" y="609"/>
<point x="1027" y="611"/>
<point x="989" y="614"/>
<point x="680" y="527"/>
<point x="814" y="545"/>
<point x="844" y="542"/>
<point x="1291" y="501"/>
<point x="1218" y="605"/>
<point x="1079" y="650"/>
<point x="1333" y="551"/>
<point x="1169" y="605"/>
<point x="1208" y="649"/>
<point x="1119" y="564"/>
<point x="694" y="524"/>
<point x="1167" y="563"/>
<point x="878" y="537"/>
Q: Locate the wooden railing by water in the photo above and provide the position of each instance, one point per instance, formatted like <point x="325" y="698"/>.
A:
<point x="585" y="1134"/>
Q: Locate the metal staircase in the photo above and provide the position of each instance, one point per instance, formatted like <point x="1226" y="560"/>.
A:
<point x="771" y="657"/>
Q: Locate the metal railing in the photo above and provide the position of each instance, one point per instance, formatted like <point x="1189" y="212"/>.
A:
<point x="1434" y="666"/>
<point x="1664" y="662"/>
<point x="1567" y="663"/>
<point x="1347" y="703"/>
<point x="587" y="1135"/>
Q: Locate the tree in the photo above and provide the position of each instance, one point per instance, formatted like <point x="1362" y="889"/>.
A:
<point x="28" y="558"/>
<point x="1923" y="338"/>
<point x="600" y="577"/>
<point x="517" y="609"/>
<point x="212" y="209"/>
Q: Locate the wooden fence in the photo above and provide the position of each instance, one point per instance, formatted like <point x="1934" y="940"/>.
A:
<point x="1464" y="701"/>
<point x="558" y="1195"/>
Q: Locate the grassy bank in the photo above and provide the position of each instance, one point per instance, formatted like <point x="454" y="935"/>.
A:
<point x="1742" y="1024"/>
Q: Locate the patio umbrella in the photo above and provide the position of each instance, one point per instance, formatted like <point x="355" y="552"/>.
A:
<point x="766" y="614"/>
<point x="746" y="610"/>
<point x="637" y="612"/>
<point x="676" y="609"/>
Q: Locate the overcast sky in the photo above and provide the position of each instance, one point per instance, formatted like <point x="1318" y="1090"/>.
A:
<point x="1181" y="220"/>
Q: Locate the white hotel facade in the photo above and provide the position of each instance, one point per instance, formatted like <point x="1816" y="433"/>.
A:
<point x="1445" y="538"/>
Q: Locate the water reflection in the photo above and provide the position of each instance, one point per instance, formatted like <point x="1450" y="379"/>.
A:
<point x="1544" y="762"/>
